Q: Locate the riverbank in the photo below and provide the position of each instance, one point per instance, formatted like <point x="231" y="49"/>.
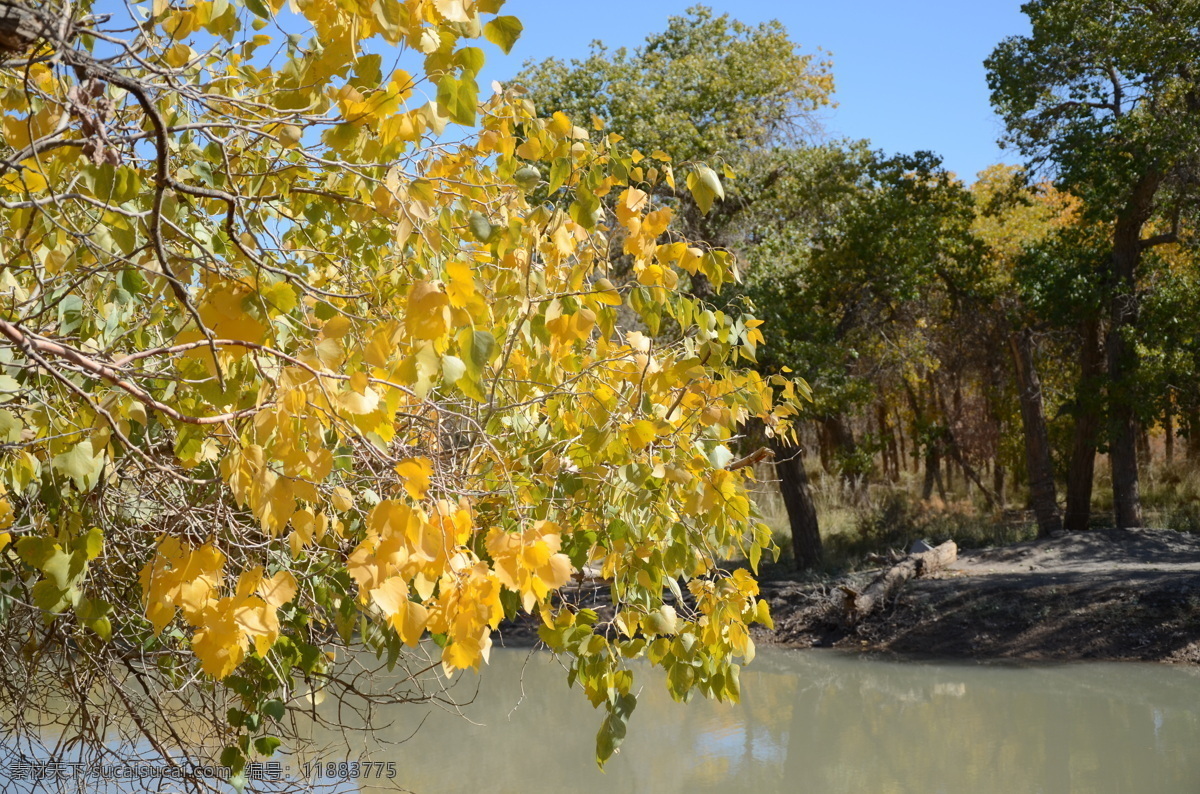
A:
<point x="1099" y="595"/>
<point x="1102" y="594"/>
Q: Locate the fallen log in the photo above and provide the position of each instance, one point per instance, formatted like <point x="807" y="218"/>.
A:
<point x="856" y="605"/>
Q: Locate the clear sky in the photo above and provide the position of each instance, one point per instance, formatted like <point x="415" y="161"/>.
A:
<point x="909" y="75"/>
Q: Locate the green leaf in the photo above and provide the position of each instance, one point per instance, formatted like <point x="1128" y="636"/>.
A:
<point x="559" y="172"/>
<point x="103" y="628"/>
<point x="458" y="99"/>
<point x="232" y="757"/>
<point x="10" y="427"/>
<point x="274" y="709"/>
<point x="476" y="348"/>
<point x="481" y="227"/>
<point x="9" y="388"/>
<point x="503" y="32"/>
<point x="35" y="551"/>
<point x="93" y="543"/>
<point x="257" y="8"/>
<point x="452" y="368"/>
<point x="720" y="456"/>
<point x="471" y="59"/>
<point x="48" y="597"/>
<point x="58" y="569"/>
<point x="81" y="464"/>
<point x="613" y="729"/>
<point x="266" y="745"/>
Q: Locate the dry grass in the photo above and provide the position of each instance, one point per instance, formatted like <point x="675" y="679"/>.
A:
<point x="876" y="517"/>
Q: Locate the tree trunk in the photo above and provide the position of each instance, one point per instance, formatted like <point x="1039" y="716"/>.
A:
<point x="931" y="464"/>
<point x="1122" y="355"/>
<point x="891" y="458"/>
<point x="1145" y="457"/>
<point x="1042" y="496"/>
<point x="802" y="513"/>
<point x="1169" y="431"/>
<point x="824" y="447"/>
<point x="998" y="472"/>
<point x="933" y="461"/>
<point x="1087" y="424"/>
<point x="841" y="443"/>
<point x="1193" y="434"/>
<point x="969" y="473"/>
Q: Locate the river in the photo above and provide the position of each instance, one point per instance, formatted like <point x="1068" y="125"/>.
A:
<point x="810" y="722"/>
<point x="822" y="723"/>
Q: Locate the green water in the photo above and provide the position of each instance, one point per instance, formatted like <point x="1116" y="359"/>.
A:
<point x="818" y="723"/>
<point x="810" y="722"/>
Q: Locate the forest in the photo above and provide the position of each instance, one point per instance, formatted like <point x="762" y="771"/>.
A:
<point x="1016" y="339"/>
<point x="328" y="372"/>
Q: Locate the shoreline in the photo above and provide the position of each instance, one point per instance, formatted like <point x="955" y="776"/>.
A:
<point x="1100" y="595"/>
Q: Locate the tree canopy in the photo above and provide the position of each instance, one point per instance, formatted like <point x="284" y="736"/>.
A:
<point x="1107" y="95"/>
<point x="285" y="368"/>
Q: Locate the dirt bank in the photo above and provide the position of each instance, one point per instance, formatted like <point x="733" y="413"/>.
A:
<point x="1103" y="594"/>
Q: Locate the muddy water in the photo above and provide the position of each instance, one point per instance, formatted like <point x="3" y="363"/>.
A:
<point x="820" y="723"/>
<point x="810" y="722"/>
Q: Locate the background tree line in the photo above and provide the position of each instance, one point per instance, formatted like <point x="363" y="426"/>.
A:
<point x="997" y="335"/>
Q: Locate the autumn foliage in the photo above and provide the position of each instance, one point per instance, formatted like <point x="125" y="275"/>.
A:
<point x="284" y="368"/>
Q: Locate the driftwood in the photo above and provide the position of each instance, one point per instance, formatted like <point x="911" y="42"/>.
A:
<point x="856" y="605"/>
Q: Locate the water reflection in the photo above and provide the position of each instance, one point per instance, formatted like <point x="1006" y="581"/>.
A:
<point x="825" y="723"/>
<point x="812" y="722"/>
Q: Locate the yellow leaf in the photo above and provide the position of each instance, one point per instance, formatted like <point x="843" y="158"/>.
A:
<point x="640" y="433"/>
<point x="223" y="310"/>
<point x="342" y="499"/>
<point x="407" y="617"/>
<point x="415" y="473"/>
<point x="257" y="622"/>
<point x="278" y="589"/>
<point x="529" y="562"/>
<point x="560" y="124"/>
<point x="453" y="10"/>
<point x="337" y="327"/>
<point x="461" y="287"/>
<point x="428" y="311"/>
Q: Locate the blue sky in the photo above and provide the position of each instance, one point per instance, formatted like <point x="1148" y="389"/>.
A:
<point x="909" y="74"/>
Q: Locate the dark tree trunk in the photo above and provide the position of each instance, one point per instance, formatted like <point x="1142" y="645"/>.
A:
<point x="1087" y="424"/>
<point x="1145" y="458"/>
<point x="998" y="484"/>
<point x="802" y="513"/>
<point x="1169" y="431"/>
<point x="889" y="453"/>
<point x="824" y="447"/>
<point x="1122" y="355"/>
<point x="933" y="459"/>
<point x="1042" y="497"/>
<point x="968" y="471"/>
<point x="940" y="401"/>
<point x="903" y="446"/>
<point x="992" y="396"/>
<point x="937" y="476"/>
<point x="931" y="473"/>
<point x="1193" y="434"/>
<point x="840" y="441"/>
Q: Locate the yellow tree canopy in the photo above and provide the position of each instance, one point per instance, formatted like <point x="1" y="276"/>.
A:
<point x="285" y="366"/>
